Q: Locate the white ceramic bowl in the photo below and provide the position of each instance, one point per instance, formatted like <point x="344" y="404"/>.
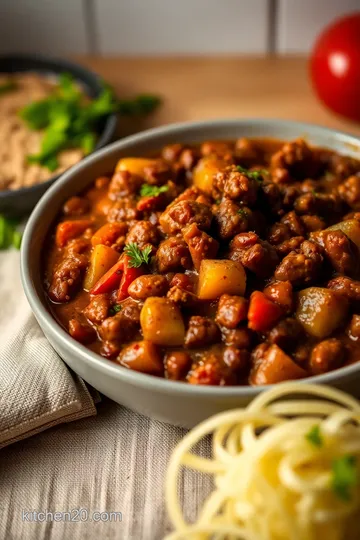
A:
<point x="174" y="402"/>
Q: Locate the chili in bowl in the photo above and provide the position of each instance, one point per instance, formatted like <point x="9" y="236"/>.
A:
<point x="221" y="255"/>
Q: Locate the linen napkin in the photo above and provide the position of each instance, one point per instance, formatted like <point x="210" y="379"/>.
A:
<point x="37" y="390"/>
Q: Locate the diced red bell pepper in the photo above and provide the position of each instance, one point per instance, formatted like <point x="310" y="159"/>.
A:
<point x="263" y="313"/>
<point x="128" y="277"/>
<point x="109" y="281"/>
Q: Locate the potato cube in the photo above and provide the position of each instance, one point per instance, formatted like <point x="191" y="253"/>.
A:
<point x="321" y="311"/>
<point x="161" y="322"/>
<point x="217" y="277"/>
<point x="134" y="165"/>
<point x="204" y="172"/>
<point x="101" y="260"/>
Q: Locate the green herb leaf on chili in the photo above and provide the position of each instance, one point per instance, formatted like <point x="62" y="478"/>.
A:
<point x="255" y="175"/>
<point x="344" y="476"/>
<point x="314" y="436"/>
<point x="243" y="213"/>
<point x="137" y="256"/>
<point x="115" y="309"/>
<point x="152" y="191"/>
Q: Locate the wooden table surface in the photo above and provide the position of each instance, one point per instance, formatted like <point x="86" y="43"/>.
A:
<point x="219" y="87"/>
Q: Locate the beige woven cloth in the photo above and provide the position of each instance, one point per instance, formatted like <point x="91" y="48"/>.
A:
<point x="112" y="462"/>
<point x="37" y="390"/>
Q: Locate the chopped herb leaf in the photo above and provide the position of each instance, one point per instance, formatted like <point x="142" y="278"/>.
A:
<point x="314" y="436"/>
<point x="344" y="476"/>
<point x="69" y="120"/>
<point x="137" y="256"/>
<point x="152" y="191"/>
<point x="7" y="86"/>
<point x="115" y="309"/>
<point x="255" y="175"/>
<point x="139" y="106"/>
<point x="243" y="213"/>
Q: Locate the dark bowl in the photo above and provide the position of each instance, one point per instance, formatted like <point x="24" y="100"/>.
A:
<point x="22" y="201"/>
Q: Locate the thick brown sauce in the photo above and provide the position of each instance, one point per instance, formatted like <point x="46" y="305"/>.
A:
<point x="63" y="312"/>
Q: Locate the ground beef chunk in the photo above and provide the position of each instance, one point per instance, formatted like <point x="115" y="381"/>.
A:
<point x="180" y="296"/>
<point x="347" y="287"/>
<point x="326" y="356"/>
<point x="158" y="173"/>
<point x="294" y="223"/>
<point x="295" y="157"/>
<point x="82" y="332"/>
<point x="281" y="292"/>
<point x="76" y="206"/>
<point x="171" y="152"/>
<point x="67" y="278"/>
<point x="148" y="285"/>
<point x="98" y="309"/>
<point x="122" y="326"/>
<point x="238" y="360"/>
<point x="289" y="196"/>
<point x="301" y="267"/>
<point x="201" y="245"/>
<point x="123" y="210"/>
<point x="255" y="254"/>
<point x="318" y="203"/>
<point x="286" y="334"/>
<point x="183" y="213"/>
<point x="271" y="198"/>
<point x="177" y="365"/>
<point x="247" y="151"/>
<point x="211" y="370"/>
<point x="242" y="338"/>
<point x="123" y="184"/>
<point x="278" y="233"/>
<point x="313" y="223"/>
<point x="77" y="246"/>
<point x="232" y="310"/>
<point x="173" y="254"/>
<point x="143" y="232"/>
<point x="215" y="148"/>
<point x="342" y="166"/>
<point x="354" y="328"/>
<point x="287" y="246"/>
<point x="350" y="192"/>
<point x="339" y="250"/>
<point x="231" y="220"/>
<point x="236" y="185"/>
<point x="201" y="331"/>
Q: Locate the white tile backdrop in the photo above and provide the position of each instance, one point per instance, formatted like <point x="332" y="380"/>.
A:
<point x="165" y="27"/>
<point x="299" y="22"/>
<point x="181" y="26"/>
<point x="43" y="26"/>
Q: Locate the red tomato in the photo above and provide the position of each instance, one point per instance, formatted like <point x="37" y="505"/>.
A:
<point x="335" y="66"/>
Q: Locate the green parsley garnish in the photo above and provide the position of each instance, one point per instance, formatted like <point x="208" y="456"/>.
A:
<point x="344" y="476"/>
<point x="69" y="120"/>
<point x="7" y="86"/>
<point x="243" y="213"/>
<point x="115" y="309"/>
<point x="152" y="191"/>
<point x="217" y="201"/>
<point x="314" y="436"/>
<point x="255" y="175"/>
<point x="9" y="235"/>
<point x="137" y="256"/>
